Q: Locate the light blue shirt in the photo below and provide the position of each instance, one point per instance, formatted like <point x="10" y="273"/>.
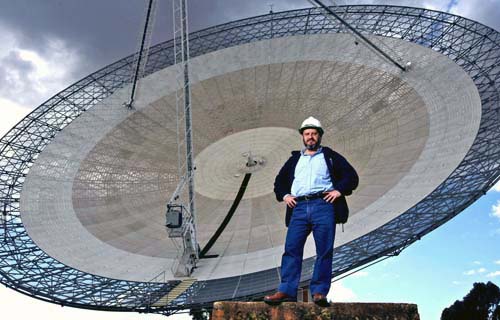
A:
<point x="311" y="174"/>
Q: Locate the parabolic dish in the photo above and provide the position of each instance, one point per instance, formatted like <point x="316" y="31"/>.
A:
<point x="92" y="184"/>
<point x="102" y="210"/>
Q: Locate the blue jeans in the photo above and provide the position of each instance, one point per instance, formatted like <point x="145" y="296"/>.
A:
<point x="310" y="215"/>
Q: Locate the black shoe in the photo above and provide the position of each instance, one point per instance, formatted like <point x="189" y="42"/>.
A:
<point x="278" y="298"/>
<point x="320" y="300"/>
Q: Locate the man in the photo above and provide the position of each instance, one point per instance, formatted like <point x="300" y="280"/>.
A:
<point x="313" y="183"/>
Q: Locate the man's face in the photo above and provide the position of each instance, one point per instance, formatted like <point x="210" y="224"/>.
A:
<point x="311" y="139"/>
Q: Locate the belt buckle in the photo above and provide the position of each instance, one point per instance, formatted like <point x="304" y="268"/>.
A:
<point x="307" y="197"/>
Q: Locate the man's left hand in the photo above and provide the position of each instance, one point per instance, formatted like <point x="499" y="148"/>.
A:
<point x="330" y="196"/>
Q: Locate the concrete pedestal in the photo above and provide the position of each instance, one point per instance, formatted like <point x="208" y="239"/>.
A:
<point x="301" y="310"/>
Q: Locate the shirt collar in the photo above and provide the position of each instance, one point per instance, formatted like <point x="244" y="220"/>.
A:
<point x="303" y="151"/>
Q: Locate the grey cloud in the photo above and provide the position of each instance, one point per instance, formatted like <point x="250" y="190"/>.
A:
<point x="101" y="31"/>
<point x="104" y="31"/>
<point x="13" y="60"/>
<point x="14" y="78"/>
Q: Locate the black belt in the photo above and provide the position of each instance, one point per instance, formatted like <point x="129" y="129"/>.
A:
<point x="310" y="196"/>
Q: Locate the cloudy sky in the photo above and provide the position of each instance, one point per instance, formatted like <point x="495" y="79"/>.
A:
<point x="46" y="45"/>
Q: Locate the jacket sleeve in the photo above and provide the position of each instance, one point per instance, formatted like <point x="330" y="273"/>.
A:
<point x="282" y="184"/>
<point x="348" y="177"/>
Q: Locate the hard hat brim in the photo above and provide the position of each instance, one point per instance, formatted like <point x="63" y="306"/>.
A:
<point x="320" y="130"/>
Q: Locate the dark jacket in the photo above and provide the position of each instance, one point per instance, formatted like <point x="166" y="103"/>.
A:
<point x="344" y="179"/>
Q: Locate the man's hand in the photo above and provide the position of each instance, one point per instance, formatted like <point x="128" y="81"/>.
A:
<point x="331" y="196"/>
<point x="290" y="201"/>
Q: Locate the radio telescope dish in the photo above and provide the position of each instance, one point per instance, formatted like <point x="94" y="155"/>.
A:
<point x="85" y="181"/>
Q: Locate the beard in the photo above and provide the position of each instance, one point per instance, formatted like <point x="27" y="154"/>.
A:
<point x="311" y="145"/>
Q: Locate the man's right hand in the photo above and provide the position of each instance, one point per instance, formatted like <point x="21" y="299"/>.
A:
<point x="290" y="201"/>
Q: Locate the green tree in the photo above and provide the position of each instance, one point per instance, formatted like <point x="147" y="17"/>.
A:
<point x="199" y="314"/>
<point x="481" y="303"/>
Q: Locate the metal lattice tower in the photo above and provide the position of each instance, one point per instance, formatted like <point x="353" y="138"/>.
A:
<point x="189" y="250"/>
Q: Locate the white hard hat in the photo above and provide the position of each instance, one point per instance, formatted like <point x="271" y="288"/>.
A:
<point x="311" y="123"/>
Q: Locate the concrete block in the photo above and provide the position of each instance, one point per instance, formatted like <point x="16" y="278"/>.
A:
<point x="304" y="310"/>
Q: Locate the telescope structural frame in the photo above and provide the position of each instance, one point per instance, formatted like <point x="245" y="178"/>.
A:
<point x="26" y="268"/>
